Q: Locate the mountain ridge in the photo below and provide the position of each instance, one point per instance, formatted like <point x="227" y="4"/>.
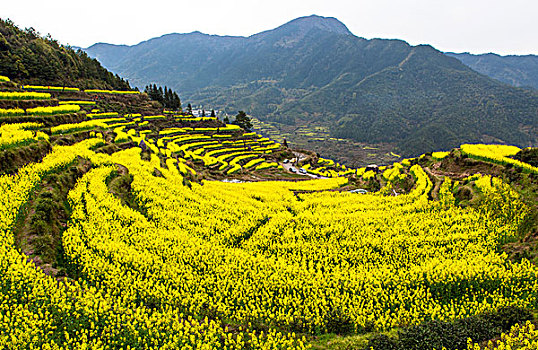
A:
<point x="516" y="70"/>
<point x="313" y="71"/>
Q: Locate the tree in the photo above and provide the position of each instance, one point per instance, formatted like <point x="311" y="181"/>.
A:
<point x="167" y="98"/>
<point x="243" y="121"/>
<point x="226" y="120"/>
<point x="203" y="112"/>
<point x="157" y="94"/>
<point x="189" y="108"/>
<point x="161" y="95"/>
<point x="213" y="114"/>
<point x="177" y="102"/>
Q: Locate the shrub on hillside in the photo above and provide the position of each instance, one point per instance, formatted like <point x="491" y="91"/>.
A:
<point x="452" y="335"/>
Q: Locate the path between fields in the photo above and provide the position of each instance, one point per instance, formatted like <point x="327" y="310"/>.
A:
<point x="299" y="157"/>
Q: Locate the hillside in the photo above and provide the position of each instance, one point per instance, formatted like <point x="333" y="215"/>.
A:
<point x="519" y="71"/>
<point x="32" y="59"/>
<point x="312" y="72"/>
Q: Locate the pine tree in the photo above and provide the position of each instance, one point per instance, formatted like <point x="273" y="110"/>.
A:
<point x="155" y="93"/>
<point x="160" y="95"/>
<point x="177" y="102"/>
<point x="213" y="113"/>
<point x="167" y="98"/>
<point x="243" y="121"/>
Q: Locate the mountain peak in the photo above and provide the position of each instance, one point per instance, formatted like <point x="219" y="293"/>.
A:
<point x="307" y="23"/>
<point x="330" y="24"/>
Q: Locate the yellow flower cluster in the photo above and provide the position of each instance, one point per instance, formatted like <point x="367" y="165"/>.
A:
<point x="328" y="162"/>
<point x="102" y="115"/>
<point x="330" y="168"/>
<point x="267" y="165"/>
<point x="69" y="128"/>
<point x="24" y="96"/>
<point x="392" y="174"/>
<point x="439" y="155"/>
<point x="51" y="110"/>
<point x="254" y="162"/>
<point x="368" y="175"/>
<point x="50" y="88"/>
<point x="228" y="127"/>
<point x="12" y="135"/>
<point x="154" y="117"/>
<point x="6" y="112"/>
<point x="498" y="154"/>
<point x="520" y="337"/>
<point x="80" y="103"/>
<point x="121" y="136"/>
<point x="115" y="92"/>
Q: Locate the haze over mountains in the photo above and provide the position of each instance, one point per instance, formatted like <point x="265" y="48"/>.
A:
<point x="313" y="71"/>
<point x="520" y="71"/>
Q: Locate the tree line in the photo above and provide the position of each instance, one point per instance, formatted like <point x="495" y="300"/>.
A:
<point x="167" y="97"/>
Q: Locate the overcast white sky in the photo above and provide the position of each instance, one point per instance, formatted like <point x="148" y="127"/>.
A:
<point x="476" y="26"/>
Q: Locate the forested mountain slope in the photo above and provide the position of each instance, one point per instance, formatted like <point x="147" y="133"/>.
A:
<point x="313" y="71"/>
<point x="32" y="59"/>
<point x="520" y="71"/>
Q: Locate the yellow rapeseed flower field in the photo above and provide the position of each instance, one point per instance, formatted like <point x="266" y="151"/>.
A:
<point x="218" y="265"/>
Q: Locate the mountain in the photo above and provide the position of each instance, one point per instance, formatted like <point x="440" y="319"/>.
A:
<point x="32" y="59"/>
<point x="520" y="71"/>
<point x="314" y="72"/>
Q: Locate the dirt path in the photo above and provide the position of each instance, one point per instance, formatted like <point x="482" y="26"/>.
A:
<point x="288" y="166"/>
<point x="43" y="219"/>
<point x="437" y="181"/>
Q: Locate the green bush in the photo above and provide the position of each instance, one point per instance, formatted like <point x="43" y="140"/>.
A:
<point x="382" y="342"/>
<point x="506" y="317"/>
<point x="338" y="322"/>
<point x="452" y="335"/>
<point x="433" y="334"/>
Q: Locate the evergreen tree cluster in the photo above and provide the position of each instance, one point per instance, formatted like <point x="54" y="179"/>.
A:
<point x="167" y="97"/>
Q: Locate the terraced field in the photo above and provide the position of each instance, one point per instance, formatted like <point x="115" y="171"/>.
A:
<point x="317" y="138"/>
<point x="120" y="236"/>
